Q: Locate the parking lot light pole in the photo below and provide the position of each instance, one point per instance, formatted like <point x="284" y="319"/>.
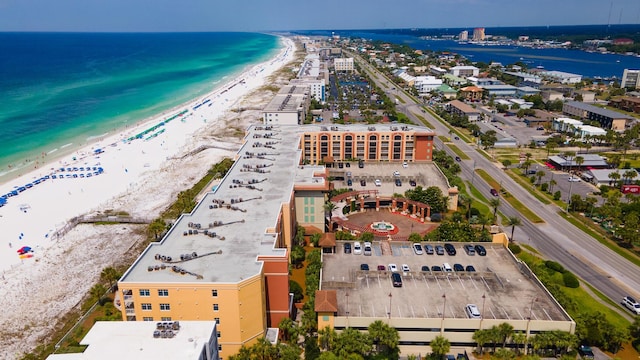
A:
<point x="389" y="313"/>
<point x="484" y="299"/>
<point x="444" y="307"/>
<point x="528" y="332"/>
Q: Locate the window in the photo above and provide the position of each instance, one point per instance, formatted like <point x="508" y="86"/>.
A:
<point x="147" y="318"/>
<point x="219" y="347"/>
<point x="217" y="320"/>
<point x="146" y="307"/>
<point x="165" y="307"/>
<point x="215" y="307"/>
<point x="214" y="293"/>
<point x="218" y="333"/>
<point x="165" y="318"/>
<point x="144" y="292"/>
<point x="163" y="292"/>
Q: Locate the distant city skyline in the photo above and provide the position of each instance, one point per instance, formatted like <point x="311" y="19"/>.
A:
<point x="275" y="15"/>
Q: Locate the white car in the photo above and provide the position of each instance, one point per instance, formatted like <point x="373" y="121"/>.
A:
<point x="405" y="268"/>
<point x="378" y="182"/>
<point x="367" y="249"/>
<point x="405" y="165"/>
<point x="573" y="179"/>
<point x="393" y="268"/>
<point x="417" y="248"/>
<point x="396" y="173"/>
<point x="631" y="304"/>
<point x="357" y="248"/>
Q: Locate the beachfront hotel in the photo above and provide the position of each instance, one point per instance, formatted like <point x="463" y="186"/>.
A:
<point x="228" y="260"/>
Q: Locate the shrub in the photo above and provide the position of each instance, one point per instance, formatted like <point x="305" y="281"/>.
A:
<point x="296" y="289"/>
<point x="557" y="195"/>
<point x="554" y="266"/>
<point x="544" y="186"/>
<point x="570" y="280"/>
<point x="515" y="249"/>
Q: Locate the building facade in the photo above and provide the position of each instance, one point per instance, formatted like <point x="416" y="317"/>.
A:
<point x="465" y="71"/>
<point x="288" y="107"/>
<point x="608" y="119"/>
<point x="459" y="108"/>
<point x="478" y="34"/>
<point x="369" y="143"/>
<point x="343" y="64"/>
<point x="630" y="79"/>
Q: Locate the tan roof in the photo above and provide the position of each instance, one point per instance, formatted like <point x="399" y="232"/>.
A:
<point x="328" y="240"/>
<point x="326" y="301"/>
<point x="471" y="89"/>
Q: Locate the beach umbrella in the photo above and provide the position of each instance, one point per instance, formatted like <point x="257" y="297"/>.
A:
<point x="24" y="249"/>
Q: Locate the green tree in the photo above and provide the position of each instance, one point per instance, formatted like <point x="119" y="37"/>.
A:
<point x="110" y="275"/>
<point x="385" y="338"/>
<point x="415" y="237"/>
<point x="540" y="174"/>
<point x="289" y="330"/>
<point x="494" y="203"/>
<point x="513" y="221"/>
<point x="327" y="338"/>
<point x="297" y="255"/>
<point x="440" y="346"/>
<point x="156" y="228"/>
<point x="351" y="341"/>
<point x="366" y="237"/>
<point x="503" y="354"/>
<point x="297" y="291"/>
<point x="97" y="291"/>
<point x="505" y="330"/>
<point x="432" y="196"/>
<point x="481" y="337"/>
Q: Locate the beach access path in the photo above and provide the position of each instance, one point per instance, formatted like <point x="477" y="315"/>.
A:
<point x="138" y="171"/>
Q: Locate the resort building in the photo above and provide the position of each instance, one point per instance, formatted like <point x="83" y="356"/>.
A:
<point x="446" y="91"/>
<point x="371" y="143"/>
<point x="463" y="35"/>
<point x="500" y="288"/>
<point x="478" y="34"/>
<point x="630" y="79"/>
<point x="146" y="340"/>
<point x="608" y="119"/>
<point x="453" y="80"/>
<point x="317" y="87"/>
<point x="288" y="107"/>
<point x="577" y="128"/>
<point x="426" y="84"/>
<point x="459" y="108"/>
<point x="464" y="71"/>
<point x="343" y="64"/>
<point x="472" y="93"/>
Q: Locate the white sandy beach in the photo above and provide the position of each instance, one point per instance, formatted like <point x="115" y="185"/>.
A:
<point x="140" y="177"/>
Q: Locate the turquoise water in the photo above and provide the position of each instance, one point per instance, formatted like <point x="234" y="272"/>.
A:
<point x="62" y="88"/>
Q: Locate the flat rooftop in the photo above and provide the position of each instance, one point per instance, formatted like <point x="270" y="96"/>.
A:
<point x="242" y="213"/>
<point x="134" y="340"/>
<point x="508" y="292"/>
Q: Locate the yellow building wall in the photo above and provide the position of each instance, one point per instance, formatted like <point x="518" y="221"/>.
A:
<point x="325" y="319"/>
<point x="241" y="308"/>
<point x="310" y="209"/>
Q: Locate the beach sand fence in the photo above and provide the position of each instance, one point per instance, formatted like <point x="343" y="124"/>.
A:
<point x="86" y="219"/>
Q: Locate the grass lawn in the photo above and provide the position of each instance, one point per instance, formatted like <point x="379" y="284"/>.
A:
<point x="510" y="199"/>
<point x="459" y="152"/>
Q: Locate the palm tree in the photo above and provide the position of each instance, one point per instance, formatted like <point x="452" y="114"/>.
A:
<point x="503" y="354"/>
<point x="327" y="338"/>
<point x="289" y="330"/>
<point x="440" y="346"/>
<point x="540" y="174"/>
<point x="157" y="227"/>
<point x="552" y="183"/>
<point x="519" y="338"/>
<point x="629" y="175"/>
<point x="505" y="330"/>
<point x="513" y="222"/>
<point x="579" y="160"/>
<point x="614" y="176"/>
<point x="111" y="275"/>
<point x="481" y="337"/>
<point x="494" y="203"/>
<point x="384" y="337"/>
<point x="97" y="291"/>
<point x="569" y="154"/>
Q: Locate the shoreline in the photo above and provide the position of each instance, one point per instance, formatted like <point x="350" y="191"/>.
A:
<point x="142" y="155"/>
<point x="32" y="162"/>
<point x="140" y="177"/>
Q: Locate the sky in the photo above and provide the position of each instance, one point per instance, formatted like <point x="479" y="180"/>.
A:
<point x="273" y="15"/>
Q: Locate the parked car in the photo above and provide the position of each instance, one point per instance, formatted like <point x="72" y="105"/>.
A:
<point x="631" y="304"/>
<point x="439" y="250"/>
<point x="396" y="279"/>
<point x="472" y="311"/>
<point x="363" y="182"/>
<point x="436" y="268"/>
<point x="357" y="248"/>
<point x="470" y="268"/>
<point x="458" y="159"/>
<point x="428" y="249"/>
<point x="367" y="249"/>
<point x="393" y="268"/>
<point x="451" y="250"/>
<point x="398" y="182"/>
<point x="417" y="248"/>
<point x="382" y="268"/>
<point x="494" y="192"/>
<point x="347" y="248"/>
<point x="469" y="249"/>
<point x="425" y="268"/>
<point x="349" y="182"/>
<point x="396" y="173"/>
<point x="480" y="250"/>
<point x="412" y="183"/>
<point x="405" y="165"/>
<point x="378" y="182"/>
<point x="364" y="267"/>
<point x="573" y="179"/>
<point x="585" y="352"/>
<point x="405" y="268"/>
<point x="458" y="267"/>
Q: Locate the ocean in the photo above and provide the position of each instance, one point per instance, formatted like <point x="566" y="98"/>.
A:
<point x="64" y="89"/>
<point x="573" y="61"/>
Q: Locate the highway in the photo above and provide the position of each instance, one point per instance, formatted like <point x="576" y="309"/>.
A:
<point x="556" y="239"/>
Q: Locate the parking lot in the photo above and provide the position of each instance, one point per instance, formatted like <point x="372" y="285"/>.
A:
<point x="497" y="287"/>
<point x="424" y="174"/>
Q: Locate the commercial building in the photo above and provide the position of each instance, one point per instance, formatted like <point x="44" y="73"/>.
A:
<point x="627" y="103"/>
<point x="426" y="84"/>
<point x="453" y="80"/>
<point x="630" y="79"/>
<point x="145" y="340"/>
<point x="499" y="90"/>
<point x="372" y="143"/>
<point x="608" y="119"/>
<point x="288" y="107"/>
<point x="603" y="176"/>
<point x="577" y="128"/>
<point x="561" y="77"/>
<point x="464" y="71"/>
<point x="343" y="64"/>
<point x="459" y="108"/>
<point x="228" y="260"/>
<point x="589" y="161"/>
<point x="430" y="303"/>
<point x="478" y="34"/>
<point x="526" y="91"/>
